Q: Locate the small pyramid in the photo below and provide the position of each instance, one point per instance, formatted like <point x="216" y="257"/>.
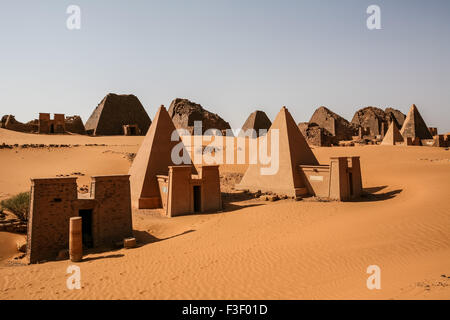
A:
<point x="393" y="135"/>
<point x="257" y="120"/>
<point x="293" y="151"/>
<point x="153" y="158"/>
<point x="414" y="126"/>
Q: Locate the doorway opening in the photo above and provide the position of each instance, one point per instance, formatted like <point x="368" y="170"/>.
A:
<point x="86" y="225"/>
<point x="197" y="199"/>
<point x="350" y="177"/>
<point x="52" y="128"/>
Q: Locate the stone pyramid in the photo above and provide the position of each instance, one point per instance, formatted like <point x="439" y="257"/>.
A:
<point x="414" y="126"/>
<point x="115" y="111"/>
<point x="152" y="159"/>
<point x="293" y="151"/>
<point x="393" y="135"/>
<point x="256" y="121"/>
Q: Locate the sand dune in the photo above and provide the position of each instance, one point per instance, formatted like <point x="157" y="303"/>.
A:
<point x="255" y="249"/>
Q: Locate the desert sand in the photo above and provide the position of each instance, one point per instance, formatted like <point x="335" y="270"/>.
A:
<point x="253" y="249"/>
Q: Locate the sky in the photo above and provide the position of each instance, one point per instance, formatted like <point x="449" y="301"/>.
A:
<point x="231" y="56"/>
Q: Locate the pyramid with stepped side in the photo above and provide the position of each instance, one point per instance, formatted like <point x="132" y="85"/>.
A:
<point x="414" y="126"/>
<point x="393" y="136"/>
<point x="293" y="151"/>
<point x="152" y="159"/>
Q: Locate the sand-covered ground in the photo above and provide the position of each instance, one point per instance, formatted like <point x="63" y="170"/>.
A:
<point x="253" y="249"/>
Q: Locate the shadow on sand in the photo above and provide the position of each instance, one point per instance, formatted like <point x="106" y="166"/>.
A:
<point x="370" y="194"/>
<point x="143" y="237"/>
<point x="109" y="256"/>
<point x="229" y="201"/>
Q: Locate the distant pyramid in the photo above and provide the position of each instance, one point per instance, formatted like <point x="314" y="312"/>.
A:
<point x="115" y="111"/>
<point x="393" y="135"/>
<point x="153" y="158"/>
<point x="256" y="121"/>
<point x="414" y="126"/>
<point x="293" y="151"/>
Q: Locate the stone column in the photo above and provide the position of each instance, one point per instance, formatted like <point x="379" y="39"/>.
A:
<point x="75" y="239"/>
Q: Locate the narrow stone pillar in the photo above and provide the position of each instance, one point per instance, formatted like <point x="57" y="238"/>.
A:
<point x="75" y="239"/>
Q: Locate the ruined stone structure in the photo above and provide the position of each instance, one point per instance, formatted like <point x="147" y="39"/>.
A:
<point x="372" y="120"/>
<point x="299" y="173"/>
<point x="184" y="113"/>
<point x="341" y="180"/>
<point x="157" y="182"/>
<point x="9" y="122"/>
<point x="131" y="130"/>
<point x="315" y="135"/>
<point x="106" y="214"/>
<point x="334" y="125"/>
<point x="414" y="126"/>
<point x="433" y="131"/>
<point x="256" y="121"/>
<point x="48" y="125"/>
<point x="393" y="135"/>
<point x="184" y="193"/>
<point x="115" y="111"/>
<point x="74" y="124"/>
<point x="396" y="114"/>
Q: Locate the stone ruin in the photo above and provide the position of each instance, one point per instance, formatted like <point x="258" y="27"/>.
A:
<point x="106" y="214"/>
<point x="74" y="124"/>
<point x="326" y="128"/>
<point x="374" y="122"/>
<point x="256" y="121"/>
<point x="9" y="122"/>
<point x="45" y="125"/>
<point x="299" y="173"/>
<point x="48" y="125"/>
<point x="116" y="111"/>
<point x="158" y="182"/>
<point x="316" y="135"/>
<point x="184" y="113"/>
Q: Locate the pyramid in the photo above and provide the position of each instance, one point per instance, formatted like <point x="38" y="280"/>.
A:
<point x="256" y="121"/>
<point x="414" y="126"/>
<point x="293" y="151"/>
<point x="115" y="111"/>
<point x="393" y="135"/>
<point x="152" y="159"/>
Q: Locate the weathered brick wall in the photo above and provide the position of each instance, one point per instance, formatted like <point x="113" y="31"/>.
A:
<point x="50" y="212"/>
<point x="211" y="196"/>
<point x="112" y="221"/>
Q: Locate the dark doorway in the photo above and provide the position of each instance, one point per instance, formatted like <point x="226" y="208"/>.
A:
<point x="197" y="199"/>
<point x="86" y="225"/>
<point x="133" y="131"/>
<point x="52" y="128"/>
<point x="350" y="178"/>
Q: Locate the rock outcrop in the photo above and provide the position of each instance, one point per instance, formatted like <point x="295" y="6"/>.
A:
<point x="184" y="113"/>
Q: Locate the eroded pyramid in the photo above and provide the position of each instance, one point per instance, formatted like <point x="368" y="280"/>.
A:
<point x="152" y="159"/>
<point x="115" y="111"/>
<point x="257" y="120"/>
<point x="414" y="126"/>
<point x="293" y="151"/>
<point x="393" y="135"/>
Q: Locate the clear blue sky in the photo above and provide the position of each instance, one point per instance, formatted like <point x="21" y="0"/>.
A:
<point x="230" y="56"/>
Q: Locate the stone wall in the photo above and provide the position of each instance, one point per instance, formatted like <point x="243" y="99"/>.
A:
<point x="48" y="222"/>
<point x="112" y="217"/>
